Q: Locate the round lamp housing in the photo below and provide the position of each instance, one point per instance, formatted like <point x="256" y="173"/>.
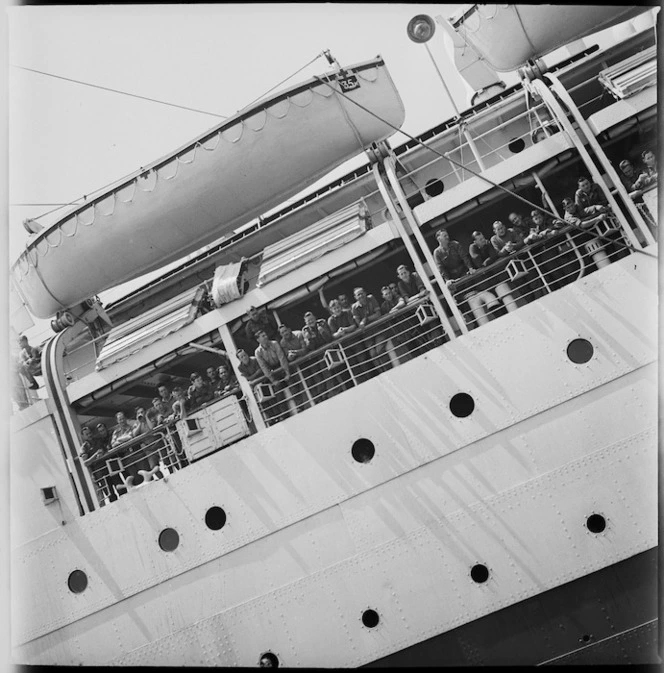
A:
<point x="421" y="28"/>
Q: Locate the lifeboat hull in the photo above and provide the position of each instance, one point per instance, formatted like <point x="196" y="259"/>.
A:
<point x="201" y="192"/>
<point x="508" y="36"/>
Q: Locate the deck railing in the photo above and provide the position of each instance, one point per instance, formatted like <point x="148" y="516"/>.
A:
<point x="509" y="283"/>
<point x="350" y="360"/>
<point x="152" y="455"/>
<point x="537" y="270"/>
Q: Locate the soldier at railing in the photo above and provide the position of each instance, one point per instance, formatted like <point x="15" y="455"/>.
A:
<point x="226" y="381"/>
<point x="199" y="391"/>
<point x="590" y="197"/>
<point x="650" y="168"/>
<point x="399" y="337"/>
<point x="505" y="241"/>
<point x="452" y="260"/>
<point x="481" y="251"/>
<point x="366" y="310"/>
<point x="520" y="225"/>
<point x="316" y="334"/>
<point x="274" y="365"/>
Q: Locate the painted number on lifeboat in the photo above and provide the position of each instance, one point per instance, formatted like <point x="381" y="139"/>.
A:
<point x="349" y="83"/>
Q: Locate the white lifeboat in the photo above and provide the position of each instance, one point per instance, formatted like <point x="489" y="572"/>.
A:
<point x="221" y="180"/>
<point x="508" y="36"/>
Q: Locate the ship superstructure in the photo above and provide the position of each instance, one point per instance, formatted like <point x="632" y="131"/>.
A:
<point x="468" y="479"/>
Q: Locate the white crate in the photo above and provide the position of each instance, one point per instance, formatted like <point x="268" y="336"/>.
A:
<point x="608" y="226"/>
<point x="217" y="425"/>
<point x="516" y="269"/>
<point x="425" y="314"/>
<point x="264" y="391"/>
<point x="333" y="358"/>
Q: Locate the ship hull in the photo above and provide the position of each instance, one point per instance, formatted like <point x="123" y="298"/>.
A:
<point x="605" y="618"/>
<point x="314" y="539"/>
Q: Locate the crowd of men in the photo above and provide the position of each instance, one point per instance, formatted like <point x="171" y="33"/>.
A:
<point x="166" y="407"/>
<point x="279" y="346"/>
<point x="588" y="207"/>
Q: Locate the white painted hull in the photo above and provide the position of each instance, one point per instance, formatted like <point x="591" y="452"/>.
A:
<point x="313" y="538"/>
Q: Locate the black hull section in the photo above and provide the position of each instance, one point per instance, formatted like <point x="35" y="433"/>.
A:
<point x="607" y="617"/>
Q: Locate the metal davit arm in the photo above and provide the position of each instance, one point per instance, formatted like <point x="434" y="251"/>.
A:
<point x="413" y="254"/>
<point x="547" y="96"/>
<point x="415" y="226"/>
<point x="558" y="88"/>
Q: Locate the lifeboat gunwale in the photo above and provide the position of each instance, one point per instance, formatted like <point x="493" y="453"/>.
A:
<point x="263" y="104"/>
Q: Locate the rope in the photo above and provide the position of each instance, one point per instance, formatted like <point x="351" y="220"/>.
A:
<point x="283" y="81"/>
<point x="124" y="93"/>
<point x="96" y="191"/>
<point x="470" y="170"/>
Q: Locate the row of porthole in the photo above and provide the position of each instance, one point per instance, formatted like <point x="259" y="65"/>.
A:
<point x="215" y="519"/>
<point x="579" y="351"/>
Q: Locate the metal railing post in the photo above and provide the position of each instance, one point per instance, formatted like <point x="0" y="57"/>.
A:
<point x="444" y="319"/>
<point x="558" y="88"/>
<point x="245" y="386"/>
<point x="547" y="95"/>
<point x="415" y="227"/>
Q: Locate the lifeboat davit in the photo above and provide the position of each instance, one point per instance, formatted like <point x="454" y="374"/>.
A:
<point x="508" y="36"/>
<point x="221" y="180"/>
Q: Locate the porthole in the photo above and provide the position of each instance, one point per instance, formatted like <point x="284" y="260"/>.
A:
<point x="363" y="450"/>
<point x="462" y="405"/>
<point x="596" y="523"/>
<point x="268" y="660"/>
<point x="169" y="539"/>
<point x="370" y="618"/>
<point x="215" y="518"/>
<point x="77" y="582"/>
<point x="586" y="638"/>
<point x="479" y="573"/>
<point x="580" y="351"/>
<point x="434" y="187"/>
<point x="516" y="145"/>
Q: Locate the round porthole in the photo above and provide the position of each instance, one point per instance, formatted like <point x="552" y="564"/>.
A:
<point x="215" y="518"/>
<point x="370" y="618"/>
<point x="579" y="351"/>
<point x="462" y="405"/>
<point x="363" y="450"/>
<point x="479" y="573"/>
<point x="169" y="539"/>
<point x="77" y="581"/>
<point x="434" y="187"/>
<point x="596" y="523"/>
<point x="268" y="660"/>
<point x="516" y="145"/>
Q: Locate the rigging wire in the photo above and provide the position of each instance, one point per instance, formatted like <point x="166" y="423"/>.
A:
<point x="124" y="93"/>
<point x="283" y="81"/>
<point x="479" y="175"/>
<point x="71" y="203"/>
